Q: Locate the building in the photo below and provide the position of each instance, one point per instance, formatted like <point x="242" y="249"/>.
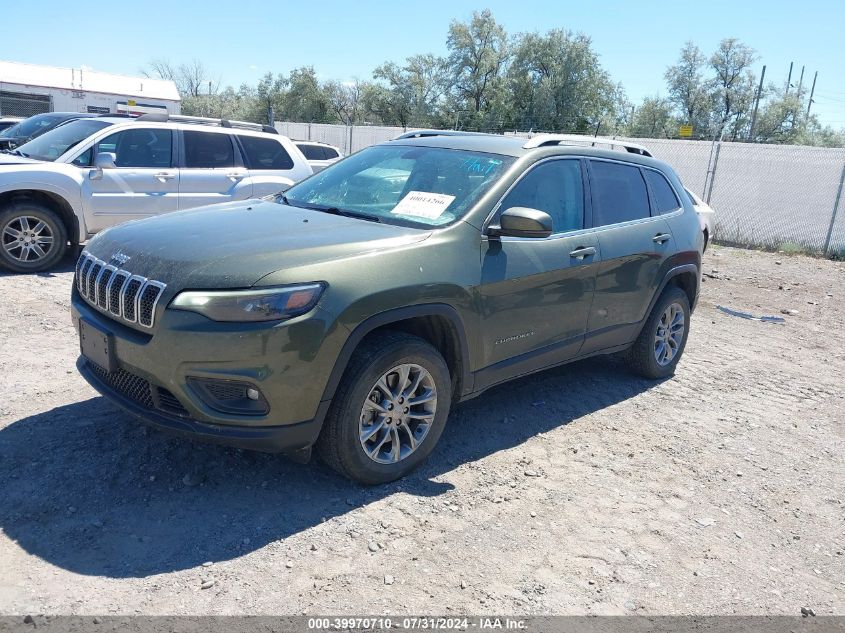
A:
<point x="27" y="89"/>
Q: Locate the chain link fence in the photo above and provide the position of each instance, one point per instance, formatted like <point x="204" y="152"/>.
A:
<point x="782" y="197"/>
<point x="24" y="105"/>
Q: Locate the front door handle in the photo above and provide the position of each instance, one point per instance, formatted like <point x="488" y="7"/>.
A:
<point x="661" y="237"/>
<point x="582" y="252"/>
<point x="162" y="176"/>
<point x="236" y="175"/>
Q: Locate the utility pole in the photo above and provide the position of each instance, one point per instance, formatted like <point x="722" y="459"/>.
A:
<point x="798" y="94"/>
<point x="756" y="104"/>
<point x="788" y="79"/>
<point x="812" y="91"/>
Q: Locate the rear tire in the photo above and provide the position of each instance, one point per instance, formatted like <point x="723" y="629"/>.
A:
<point x="389" y="410"/>
<point x="661" y="343"/>
<point x="32" y="237"/>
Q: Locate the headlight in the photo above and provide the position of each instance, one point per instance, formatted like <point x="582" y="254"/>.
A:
<point x="266" y="304"/>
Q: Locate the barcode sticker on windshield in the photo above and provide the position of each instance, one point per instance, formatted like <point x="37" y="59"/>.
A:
<point x="423" y="204"/>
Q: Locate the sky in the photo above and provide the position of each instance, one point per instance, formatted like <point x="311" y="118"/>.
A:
<point x="240" y="42"/>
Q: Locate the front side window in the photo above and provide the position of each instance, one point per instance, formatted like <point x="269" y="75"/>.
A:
<point x="555" y="187"/>
<point x="52" y="144"/>
<point x="139" y="147"/>
<point x="208" y="150"/>
<point x="403" y="184"/>
<point x="619" y="193"/>
<point x="665" y="200"/>
<point x="265" y="153"/>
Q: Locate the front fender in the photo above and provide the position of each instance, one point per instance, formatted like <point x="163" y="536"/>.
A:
<point x="60" y="186"/>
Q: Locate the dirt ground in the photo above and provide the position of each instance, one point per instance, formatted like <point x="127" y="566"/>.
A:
<point x="581" y="490"/>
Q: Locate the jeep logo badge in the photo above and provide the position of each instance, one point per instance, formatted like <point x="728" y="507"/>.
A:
<point x="119" y="258"/>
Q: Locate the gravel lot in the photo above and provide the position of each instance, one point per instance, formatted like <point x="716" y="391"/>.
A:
<point x="580" y="490"/>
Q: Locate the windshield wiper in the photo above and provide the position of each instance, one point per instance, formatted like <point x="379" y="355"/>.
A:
<point x="343" y="212"/>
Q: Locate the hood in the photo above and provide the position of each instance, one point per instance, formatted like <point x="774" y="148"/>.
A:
<point x="14" y="159"/>
<point x="234" y="245"/>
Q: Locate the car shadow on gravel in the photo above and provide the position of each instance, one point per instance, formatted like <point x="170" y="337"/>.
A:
<point x="87" y="488"/>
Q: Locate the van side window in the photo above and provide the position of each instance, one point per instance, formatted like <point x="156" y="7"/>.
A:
<point x="619" y="193"/>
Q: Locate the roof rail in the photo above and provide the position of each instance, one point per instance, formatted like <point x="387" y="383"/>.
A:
<point x="163" y="117"/>
<point x="543" y="140"/>
<point x="427" y="133"/>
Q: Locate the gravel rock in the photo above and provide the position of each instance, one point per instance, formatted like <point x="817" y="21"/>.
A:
<point x="389" y="580"/>
<point x="192" y="479"/>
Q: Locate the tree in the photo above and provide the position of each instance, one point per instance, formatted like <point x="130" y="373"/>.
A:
<point x="689" y="91"/>
<point x="344" y="100"/>
<point x="733" y="88"/>
<point x="557" y="83"/>
<point x="478" y="53"/>
<point x="305" y="99"/>
<point x="413" y="92"/>
<point x="653" y="119"/>
<point x="192" y="78"/>
<point x="269" y="97"/>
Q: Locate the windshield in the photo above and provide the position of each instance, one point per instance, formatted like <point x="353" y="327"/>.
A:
<point x="52" y="144"/>
<point x="32" y="125"/>
<point x="402" y="184"/>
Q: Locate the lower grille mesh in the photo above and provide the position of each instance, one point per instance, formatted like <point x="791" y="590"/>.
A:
<point x="140" y="390"/>
<point x="126" y="384"/>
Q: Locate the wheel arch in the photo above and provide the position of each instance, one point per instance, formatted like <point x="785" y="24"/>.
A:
<point x="438" y="323"/>
<point x="50" y="199"/>
<point x="686" y="277"/>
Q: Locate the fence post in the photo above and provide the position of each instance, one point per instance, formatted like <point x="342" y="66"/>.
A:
<point x="713" y="172"/>
<point x="349" y="150"/>
<point x="835" y="210"/>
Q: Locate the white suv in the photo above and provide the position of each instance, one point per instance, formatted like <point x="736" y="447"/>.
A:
<point x="319" y="155"/>
<point x="89" y="174"/>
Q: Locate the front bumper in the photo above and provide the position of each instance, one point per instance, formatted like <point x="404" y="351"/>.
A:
<point x="270" y="439"/>
<point x="289" y="364"/>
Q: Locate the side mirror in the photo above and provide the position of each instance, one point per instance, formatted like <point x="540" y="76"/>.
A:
<point x="105" y="160"/>
<point x="522" y="222"/>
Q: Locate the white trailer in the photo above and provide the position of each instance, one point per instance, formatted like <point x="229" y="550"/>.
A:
<point x="27" y="89"/>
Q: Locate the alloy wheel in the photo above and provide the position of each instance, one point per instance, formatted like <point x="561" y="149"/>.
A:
<point x="27" y="239"/>
<point x="397" y="413"/>
<point x="669" y="334"/>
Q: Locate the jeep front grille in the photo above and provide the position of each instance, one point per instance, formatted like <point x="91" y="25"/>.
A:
<point x="117" y="292"/>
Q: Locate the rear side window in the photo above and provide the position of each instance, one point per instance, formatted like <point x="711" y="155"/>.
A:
<point x="330" y="153"/>
<point x="619" y="193"/>
<point x="312" y="152"/>
<point x="208" y="150"/>
<point x="665" y="200"/>
<point x="265" y="153"/>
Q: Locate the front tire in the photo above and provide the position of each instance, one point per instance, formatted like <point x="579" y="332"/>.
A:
<point x="32" y="237"/>
<point x="389" y="410"/>
<point x="659" y="347"/>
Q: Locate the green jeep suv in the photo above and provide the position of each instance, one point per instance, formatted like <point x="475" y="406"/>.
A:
<point x="351" y="312"/>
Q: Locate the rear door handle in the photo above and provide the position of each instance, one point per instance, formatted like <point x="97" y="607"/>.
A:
<point x="164" y="176"/>
<point x="582" y="252"/>
<point x="236" y="175"/>
<point x="661" y="237"/>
